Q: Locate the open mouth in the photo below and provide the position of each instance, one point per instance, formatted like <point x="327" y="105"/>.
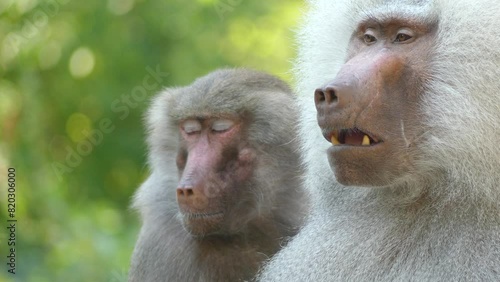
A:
<point x="352" y="137"/>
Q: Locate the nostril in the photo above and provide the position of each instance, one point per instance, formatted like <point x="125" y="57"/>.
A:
<point x="327" y="95"/>
<point x="330" y="95"/>
<point x="185" y="192"/>
<point x="319" y="96"/>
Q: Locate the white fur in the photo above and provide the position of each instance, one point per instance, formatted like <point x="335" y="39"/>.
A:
<point x="443" y="222"/>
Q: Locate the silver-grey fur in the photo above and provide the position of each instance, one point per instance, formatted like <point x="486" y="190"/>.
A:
<point x="442" y="221"/>
<point x="167" y="252"/>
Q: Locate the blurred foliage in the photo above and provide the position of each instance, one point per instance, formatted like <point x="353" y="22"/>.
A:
<point x="68" y="70"/>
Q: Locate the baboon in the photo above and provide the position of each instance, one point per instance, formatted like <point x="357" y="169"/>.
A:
<point x="224" y="192"/>
<point x="407" y="185"/>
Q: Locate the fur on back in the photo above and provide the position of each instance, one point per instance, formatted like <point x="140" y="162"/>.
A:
<point x="441" y="222"/>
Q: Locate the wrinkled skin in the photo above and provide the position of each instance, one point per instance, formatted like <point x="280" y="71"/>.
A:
<point x="374" y="95"/>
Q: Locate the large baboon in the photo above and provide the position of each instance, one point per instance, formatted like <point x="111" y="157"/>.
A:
<point x="224" y="192"/>
<point x="407" y="188"/>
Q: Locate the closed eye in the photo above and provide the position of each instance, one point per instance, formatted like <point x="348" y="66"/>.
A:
<point x="221" y="125"/>
<point x="191" y="126"/>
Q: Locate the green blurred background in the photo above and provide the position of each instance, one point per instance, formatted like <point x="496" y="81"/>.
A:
<point x="67" y="67"/>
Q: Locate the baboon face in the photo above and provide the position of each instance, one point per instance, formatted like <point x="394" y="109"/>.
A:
<point x="370" y="110"/>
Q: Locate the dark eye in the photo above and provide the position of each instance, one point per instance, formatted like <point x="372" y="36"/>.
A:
<point x="402" y="37"/>
<point x="369" y="39"/>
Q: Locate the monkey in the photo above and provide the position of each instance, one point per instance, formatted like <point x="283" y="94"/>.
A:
<point x="225" y="191"/>
<point x="406" y="186"/>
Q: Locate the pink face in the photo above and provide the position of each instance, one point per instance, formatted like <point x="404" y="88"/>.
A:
<point x="214" y="165"/>
<point x="370" y="110"/>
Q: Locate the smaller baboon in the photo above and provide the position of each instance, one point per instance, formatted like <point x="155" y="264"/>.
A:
<point x="225" y="192"/>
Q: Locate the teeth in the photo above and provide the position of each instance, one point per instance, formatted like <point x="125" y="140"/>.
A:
<point x="366" y="141"/>
<point x="334" y="140"/>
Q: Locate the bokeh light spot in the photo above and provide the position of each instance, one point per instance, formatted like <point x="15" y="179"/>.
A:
<point x="120" y="7"/>
<point x="76" y="126"/>
<point x="82" y="62"/>
<point x="109" y="220"/>
<point x="10" y="48"/>
<point x="24" y="6"/>
<point x="10" y="99"/>
<point x="125" y="174"/>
